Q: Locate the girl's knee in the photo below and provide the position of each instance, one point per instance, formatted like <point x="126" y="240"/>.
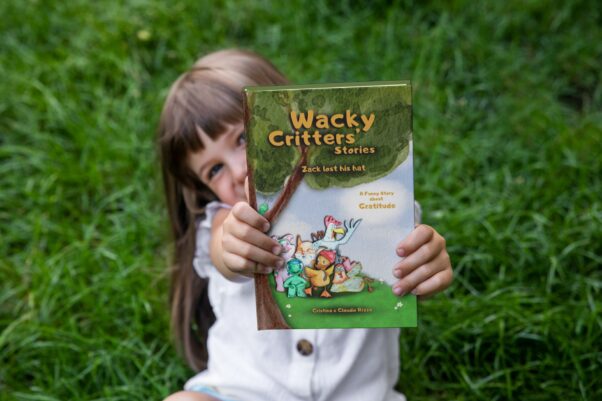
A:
<point x="189" y="396"/>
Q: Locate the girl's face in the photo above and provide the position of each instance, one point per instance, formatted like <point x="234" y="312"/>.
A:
<point x="222" y="165"/>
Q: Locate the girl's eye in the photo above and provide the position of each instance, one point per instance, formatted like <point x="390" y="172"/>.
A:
<point x="241" y="139"/>
<point x="215" y="169"/>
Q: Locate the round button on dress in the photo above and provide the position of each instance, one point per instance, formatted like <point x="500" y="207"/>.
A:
<point x="305" y="348"/>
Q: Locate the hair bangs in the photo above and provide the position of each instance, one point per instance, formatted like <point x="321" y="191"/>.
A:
<point x="212" y="105"/>
<point x="206" y="105"/>
<point x="197" y="101"/>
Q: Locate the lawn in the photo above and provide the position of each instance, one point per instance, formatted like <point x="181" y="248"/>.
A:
<point x="508" y="145"/>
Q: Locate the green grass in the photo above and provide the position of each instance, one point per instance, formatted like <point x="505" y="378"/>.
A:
<point x="508" y="138"/>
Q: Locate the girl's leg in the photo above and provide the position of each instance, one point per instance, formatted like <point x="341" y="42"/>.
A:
<point x="190" y="396"/>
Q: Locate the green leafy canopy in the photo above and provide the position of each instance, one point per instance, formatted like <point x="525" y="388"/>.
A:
<point x="270" y="110"/>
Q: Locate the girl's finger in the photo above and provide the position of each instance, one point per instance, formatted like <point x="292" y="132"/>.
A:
<point x="423" y="255"/>
<point x="253" y="236"/>
<point x="419" y="236"/>
<point x="245" y="213"/>
<point x="251" y="252"/>
<point x="435" y="284"/>
<point x="239" y="265"/>
<point x="421" y="274"/>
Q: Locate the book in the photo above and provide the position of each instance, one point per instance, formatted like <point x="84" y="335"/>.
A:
<point x="330" y="166"/>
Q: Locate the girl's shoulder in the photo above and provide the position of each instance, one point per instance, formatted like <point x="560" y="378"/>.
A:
<point x="202" y="259"/>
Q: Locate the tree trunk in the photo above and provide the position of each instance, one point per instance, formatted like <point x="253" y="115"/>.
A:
<point x="269" y="315"/>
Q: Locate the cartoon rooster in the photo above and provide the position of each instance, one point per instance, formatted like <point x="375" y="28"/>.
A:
<point x="333" y="227"/>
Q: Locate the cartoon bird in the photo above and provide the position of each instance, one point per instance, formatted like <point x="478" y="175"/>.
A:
<point x="347" y="263"/>
<point x="348" y="280"/>
<point x="320" y="276"/>
<point x="334" y="228"/>
<point x="340" y="275"/>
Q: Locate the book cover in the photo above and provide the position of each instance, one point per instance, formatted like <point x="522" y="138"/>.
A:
<point x="330" y="166"/>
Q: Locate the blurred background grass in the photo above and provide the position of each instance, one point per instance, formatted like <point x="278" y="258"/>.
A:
<point x="508" y="140"/>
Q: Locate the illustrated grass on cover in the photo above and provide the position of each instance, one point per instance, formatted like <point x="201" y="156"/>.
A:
<point x="330" y="166"/>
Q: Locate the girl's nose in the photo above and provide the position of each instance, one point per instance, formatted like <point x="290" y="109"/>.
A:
<point x="239" y="167"/>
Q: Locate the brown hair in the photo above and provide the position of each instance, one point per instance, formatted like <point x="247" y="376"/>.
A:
<point x="208" y="96"/>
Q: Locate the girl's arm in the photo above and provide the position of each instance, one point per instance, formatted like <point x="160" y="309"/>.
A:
<point x="239" y="245"/>
<point x="425" y="268"/>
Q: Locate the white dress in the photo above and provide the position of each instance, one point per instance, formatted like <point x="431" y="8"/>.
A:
<point x="250" y="365"/>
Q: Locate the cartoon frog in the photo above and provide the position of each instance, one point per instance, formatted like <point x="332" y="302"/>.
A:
<point x="295" y="284"/>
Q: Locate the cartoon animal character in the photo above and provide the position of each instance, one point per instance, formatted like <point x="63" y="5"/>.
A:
<point x="295" y="284"/>
<point x="347" y="280"/>
<point x="306" y="252"/>
<point x="340" y="274"/>
<point x="320" y="276"/>
<point x="287" y="242"/>
<point x="318" y="235"/>
<point x="334" y="228"/>
<point x="347" y="263"/>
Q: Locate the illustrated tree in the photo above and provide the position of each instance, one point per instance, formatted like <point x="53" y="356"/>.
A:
<point x="276" y="172"/>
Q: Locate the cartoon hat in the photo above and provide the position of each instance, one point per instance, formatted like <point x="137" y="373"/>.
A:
<point x="328" y="254"/>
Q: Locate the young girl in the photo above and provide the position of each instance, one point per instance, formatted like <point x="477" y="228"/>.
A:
<point x="220" y="242"/>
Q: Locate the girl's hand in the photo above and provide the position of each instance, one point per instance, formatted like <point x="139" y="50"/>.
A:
<point x="425" y="268"/>
<point x="246" y="247"/>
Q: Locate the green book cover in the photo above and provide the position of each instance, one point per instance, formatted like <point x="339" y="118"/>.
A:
<point x="330" y="166"/>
